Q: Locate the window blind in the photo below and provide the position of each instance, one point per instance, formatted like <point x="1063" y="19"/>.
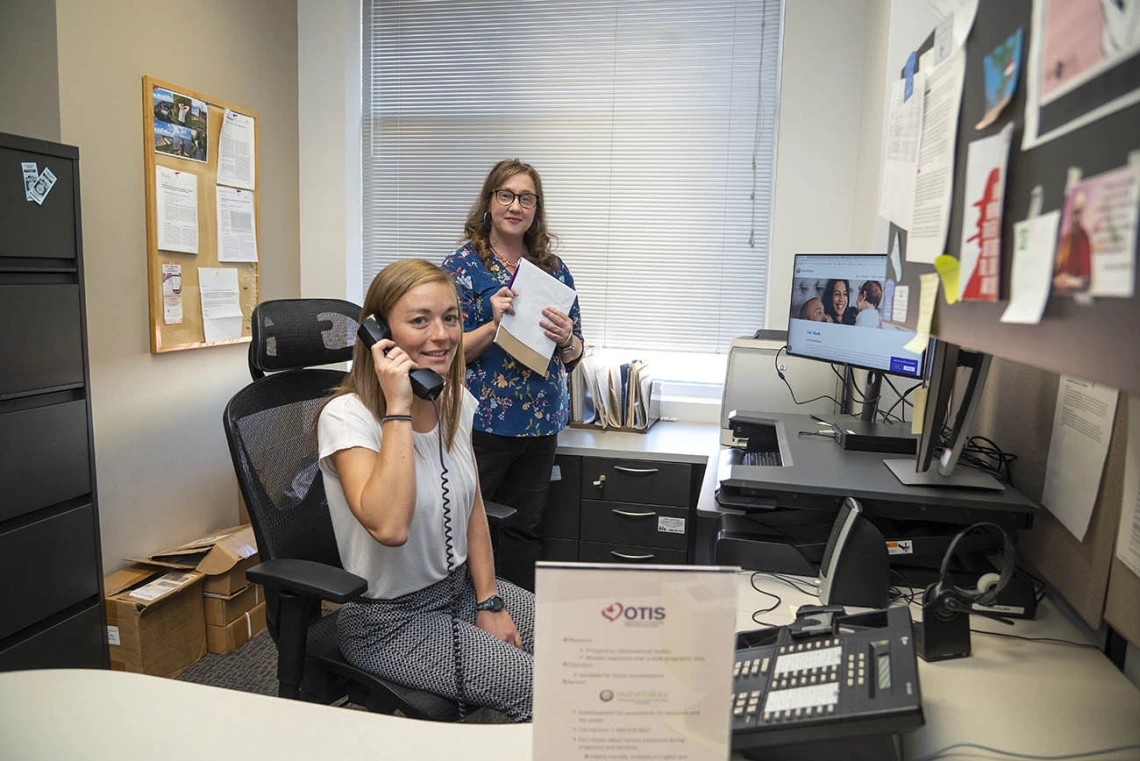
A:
<point x="652" y="123"/>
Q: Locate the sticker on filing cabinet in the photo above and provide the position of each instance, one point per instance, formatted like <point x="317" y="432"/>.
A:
<point x="42" y="186"/>
<point x="31" y="174"/>
<point x="161" y="586"/>
<point x="113" y="635"/>
<point x="670" y="525"/>
<point x="556" y="473"/>
<point x="901" y="547"/>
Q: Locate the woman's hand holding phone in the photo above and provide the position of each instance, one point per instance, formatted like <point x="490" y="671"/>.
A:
<point x="392" y="367"/>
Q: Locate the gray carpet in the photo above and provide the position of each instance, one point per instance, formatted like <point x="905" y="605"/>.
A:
<point x="250" y="668"/>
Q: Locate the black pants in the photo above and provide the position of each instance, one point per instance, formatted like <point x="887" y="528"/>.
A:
<point x="515" y="471"/>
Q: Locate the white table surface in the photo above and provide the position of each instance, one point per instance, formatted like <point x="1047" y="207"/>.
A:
<point x="1028" y="697"/>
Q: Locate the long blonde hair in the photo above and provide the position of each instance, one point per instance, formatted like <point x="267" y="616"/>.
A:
<point x="538" y="240"/>
<point x="388" y="287"/>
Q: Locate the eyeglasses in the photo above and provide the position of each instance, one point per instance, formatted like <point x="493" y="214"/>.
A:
<point x="507" y="197"/>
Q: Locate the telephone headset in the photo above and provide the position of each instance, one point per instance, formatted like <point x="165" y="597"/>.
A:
<point x="428" y="385"/>
<point x="946" y="600"/>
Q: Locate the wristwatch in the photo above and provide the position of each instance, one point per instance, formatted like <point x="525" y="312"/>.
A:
<point x="569" y="348"/>
<point x="494" y="603"/>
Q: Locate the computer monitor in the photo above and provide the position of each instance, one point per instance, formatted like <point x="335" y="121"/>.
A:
<point x="842" y="310"/>
<point x="946" y="427"/>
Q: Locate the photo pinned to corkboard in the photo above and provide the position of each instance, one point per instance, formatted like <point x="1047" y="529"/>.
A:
<point x="202" y="212"/>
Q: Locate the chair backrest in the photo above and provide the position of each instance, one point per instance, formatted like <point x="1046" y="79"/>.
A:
<point x="294" y="333"/>
<point x="270" y="424"/>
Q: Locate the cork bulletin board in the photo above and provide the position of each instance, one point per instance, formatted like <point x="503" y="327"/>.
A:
<point x="182" y="142"/>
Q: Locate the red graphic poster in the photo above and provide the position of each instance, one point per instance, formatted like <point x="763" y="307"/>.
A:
<point x="980" y="252"/>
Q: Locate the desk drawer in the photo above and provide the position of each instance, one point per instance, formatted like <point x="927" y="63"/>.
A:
<point x="642" y="481"/>
<point x="643" y="525"/>
<point x="42" y="340"/>
<point x="596" y="552"/>
<point x="54" y="561"/>
<point x="45" y="457"/>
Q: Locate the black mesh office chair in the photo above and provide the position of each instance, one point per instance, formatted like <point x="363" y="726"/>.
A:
<point x="270" y="429"/>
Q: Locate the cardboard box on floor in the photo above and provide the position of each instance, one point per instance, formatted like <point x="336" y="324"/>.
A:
<point x="226" y="639"/>
<point x="222" y="556"/>
<point x="155" y="623"/>
<point x="224" y="610"/>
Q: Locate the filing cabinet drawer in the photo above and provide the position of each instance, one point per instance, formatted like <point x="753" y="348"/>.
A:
<point x="54" y="561"/>
<point x="42" y="343"/>
<point x="76" y="642"/>
<point x="560" y="518"/>
<point x="31" y="229"/>
<point x="45" y="457"/>
<point x="642" y="525"/>
<point x="642" y="481"/>
<point x="596" y="552"/>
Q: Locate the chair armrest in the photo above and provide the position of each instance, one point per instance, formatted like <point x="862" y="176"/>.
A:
<point x="497" y="513"/>
<point x="308" y="578"/>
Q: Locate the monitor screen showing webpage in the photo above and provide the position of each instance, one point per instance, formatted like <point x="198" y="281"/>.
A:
<point x="841" y="311"/>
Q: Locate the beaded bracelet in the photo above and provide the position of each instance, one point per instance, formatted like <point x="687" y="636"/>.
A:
<point x="386" y="418"/>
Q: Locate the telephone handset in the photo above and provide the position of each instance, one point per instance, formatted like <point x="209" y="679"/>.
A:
<point x="426" y="384"/>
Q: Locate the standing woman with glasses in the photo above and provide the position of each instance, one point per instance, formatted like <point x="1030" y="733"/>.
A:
<point x="520" y="412"/>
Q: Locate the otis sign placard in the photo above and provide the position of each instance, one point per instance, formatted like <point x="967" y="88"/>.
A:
<point x="633" y="662"/>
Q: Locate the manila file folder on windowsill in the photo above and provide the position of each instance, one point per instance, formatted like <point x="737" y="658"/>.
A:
<point x="519" y="334"/>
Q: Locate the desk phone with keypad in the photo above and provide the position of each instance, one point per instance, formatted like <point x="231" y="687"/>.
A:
<point x="827" y="686"/>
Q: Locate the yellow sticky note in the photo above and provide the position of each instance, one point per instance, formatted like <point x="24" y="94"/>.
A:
<point x="919" y="410"/>
<point x="927" y="300"/>
<point x="948" y="268"/>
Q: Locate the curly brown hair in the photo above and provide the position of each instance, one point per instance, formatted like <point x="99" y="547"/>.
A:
<point x="539" y="241"/>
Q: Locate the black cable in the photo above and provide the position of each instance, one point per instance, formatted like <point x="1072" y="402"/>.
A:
<point x="901" y="400"/>
<point x="780" y="374"/>
<point x="449" y="546"/>
<point x="1036" y="639"/>
<point x="793" y="583"/>
<point x="777" y="598"/>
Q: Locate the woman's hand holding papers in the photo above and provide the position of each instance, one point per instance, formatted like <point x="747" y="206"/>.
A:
<point x="502" y="303"/>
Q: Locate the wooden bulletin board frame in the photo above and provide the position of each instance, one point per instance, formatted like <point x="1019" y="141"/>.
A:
<point x="189" y="334"/>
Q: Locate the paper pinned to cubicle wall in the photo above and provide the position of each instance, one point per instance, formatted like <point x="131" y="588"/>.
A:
<point x="900" y="165"/>
<point x="221" y="303"/>
<point x="1128" y="538"/>
<point x="237" y="152"/>
<point x="1082" y="430"/>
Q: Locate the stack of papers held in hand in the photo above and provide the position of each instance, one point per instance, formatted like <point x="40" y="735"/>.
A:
<point x="519" y="334"/>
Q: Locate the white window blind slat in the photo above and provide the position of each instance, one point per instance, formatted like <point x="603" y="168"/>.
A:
<point x="651" y="121"/>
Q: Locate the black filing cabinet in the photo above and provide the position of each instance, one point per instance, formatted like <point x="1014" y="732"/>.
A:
<point x="51" y="605"/>
<point x="613" y="510"/>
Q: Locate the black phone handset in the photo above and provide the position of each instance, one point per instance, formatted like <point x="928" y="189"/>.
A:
<point x="426" y="384"/>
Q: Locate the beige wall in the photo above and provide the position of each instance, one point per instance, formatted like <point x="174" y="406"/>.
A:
<point x="29" y="84"/>
<point x="164" y="472"/>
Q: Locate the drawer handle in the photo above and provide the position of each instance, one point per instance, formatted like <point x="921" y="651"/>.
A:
<point x="623" y="556"/>
<point x="635" y="471"/>
<point x="600" y="482"/>
<point x="628" y="514"/>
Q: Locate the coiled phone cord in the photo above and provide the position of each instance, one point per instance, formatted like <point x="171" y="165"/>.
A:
<point x="449" y="545"/>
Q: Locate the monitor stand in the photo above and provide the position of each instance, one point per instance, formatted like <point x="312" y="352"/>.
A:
<point x="961" y="478"/>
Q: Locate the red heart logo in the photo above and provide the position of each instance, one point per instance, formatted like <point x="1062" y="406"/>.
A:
<point x="613" y="612"/>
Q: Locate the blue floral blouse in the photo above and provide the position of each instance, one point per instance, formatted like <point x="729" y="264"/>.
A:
<point x="513" y="401"/>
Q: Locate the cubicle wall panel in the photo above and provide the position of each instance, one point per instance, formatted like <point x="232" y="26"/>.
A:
<point x="596" y="552"/>
<point x="641" y="481"/>
<point x="31" y="229"/>
<point x="76" y="642"/>
<point x="42" y="340"/>
<point x="643" y="525"/>
<point x="55" y="561"/>
<point x="46" y="458"/>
